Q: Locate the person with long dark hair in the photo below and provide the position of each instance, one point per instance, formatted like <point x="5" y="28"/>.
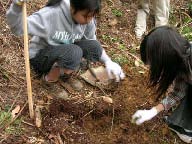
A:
<point x="169" y="56"/>
<point x="63" y="32"/>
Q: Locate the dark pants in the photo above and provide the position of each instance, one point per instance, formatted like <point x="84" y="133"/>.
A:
<point x="67" y="56"/>
<point x="181" y="118"/>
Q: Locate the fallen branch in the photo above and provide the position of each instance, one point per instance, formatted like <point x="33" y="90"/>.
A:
<point x="112" y="120"/>
<point x="138" y="59"/>
<point x="28" y="123"/>
<point x="59" y="139"/>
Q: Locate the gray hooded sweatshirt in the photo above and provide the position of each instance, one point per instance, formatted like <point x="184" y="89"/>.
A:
<point x="50" y="25"/>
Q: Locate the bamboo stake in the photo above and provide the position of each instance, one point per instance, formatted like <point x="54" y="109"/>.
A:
<point x="27" y="66"/>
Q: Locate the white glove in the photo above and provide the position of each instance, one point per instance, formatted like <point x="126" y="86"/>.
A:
<point x="114" y="69"/>
<point x="144" y="115"/>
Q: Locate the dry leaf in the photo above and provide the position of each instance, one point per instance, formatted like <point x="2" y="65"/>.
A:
<point x="137" y="63"/>
<point x="15" y="111"/>
<point x="165" y="131"/>
<point x="141" y="72"/>
<point x="107" y="99"/>
<point x="113" y="22"/>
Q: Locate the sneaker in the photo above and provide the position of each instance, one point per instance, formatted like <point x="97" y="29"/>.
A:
<point x="54" y="89"/>
<point x="73" y="82"/>
<point x="139" y="33"/>
<point x="62" y="94"/>
<point x="183" y="135"/>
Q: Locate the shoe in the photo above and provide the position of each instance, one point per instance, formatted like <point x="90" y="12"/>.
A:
<point x="44" y="79"/>
<point x="52" y="87"/>
<point x="62" y="94"/>
<point x="75" y="84"/>
<point x="139" y="33"/>
<point x="183" y="135"/>
<point x="72" y="81"/>
<point x="59" y="92"/>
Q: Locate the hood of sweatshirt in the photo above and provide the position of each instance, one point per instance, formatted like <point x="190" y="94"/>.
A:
<point x="65" y="7"/>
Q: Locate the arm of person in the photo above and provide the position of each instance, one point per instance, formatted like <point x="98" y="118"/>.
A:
<point x="176" y="95"/>
<point x="113" y="69"/>
<point x="36" y="22"/>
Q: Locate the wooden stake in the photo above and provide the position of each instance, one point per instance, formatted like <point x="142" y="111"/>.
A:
<point x="27" y="65"/>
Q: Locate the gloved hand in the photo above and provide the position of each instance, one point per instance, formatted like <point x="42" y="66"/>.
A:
<point x="19" y="2"/>
<point x="144" y="115"/>
<point x="114" y="69"/>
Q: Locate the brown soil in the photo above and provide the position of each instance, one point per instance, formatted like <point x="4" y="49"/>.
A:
<point x="85" y="118"/>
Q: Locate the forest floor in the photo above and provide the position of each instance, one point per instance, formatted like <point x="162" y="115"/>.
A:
<point x="84" y="118"/>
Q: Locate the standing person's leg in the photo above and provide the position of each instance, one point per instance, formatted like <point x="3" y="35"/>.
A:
<point x="161" y="9"/>
<point x="142" y="12"/>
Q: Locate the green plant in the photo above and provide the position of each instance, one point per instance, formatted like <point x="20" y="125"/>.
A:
<point x="117" y="12"/>
<point x="190" y="6"/>
<point x="14" y="128"/>
<point x="108" y="38"/>
<point x="186" y="29"/>
<point x="119" y="59"/>
<point x="122" y="47"/>
<point x="105" y="37"/>
<point x="5" y="117"/>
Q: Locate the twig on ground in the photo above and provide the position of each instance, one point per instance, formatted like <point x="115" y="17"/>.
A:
<point x="112" y="121"/>
<point x="5" y="137"/>
<point x="2" y="99"/>
<point x="87" y="113"/>
<point x="7" y="3"/>
<point x="14" y="101"/>
<point x="59" y="139"/>
<point x="143" y="104"/>
<point x="83" y="100"/>
<point x="138" y="59"/>
<point x="153" y="128"/>
<point x="102" y="90"/>
<point x="4" y="9"/>
<point x="27" y="123"/>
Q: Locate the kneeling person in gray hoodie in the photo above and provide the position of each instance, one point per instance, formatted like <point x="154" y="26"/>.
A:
<point x="63" y="32"/>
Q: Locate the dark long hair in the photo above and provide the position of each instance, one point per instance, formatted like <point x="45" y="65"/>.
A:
<point x="90" y="5"/>
<point x="166" y="52"/>
<point x="53" y="2"/>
